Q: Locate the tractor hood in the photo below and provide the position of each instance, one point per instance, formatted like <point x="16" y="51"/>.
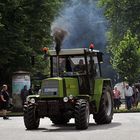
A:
<point x="59" y="87"/>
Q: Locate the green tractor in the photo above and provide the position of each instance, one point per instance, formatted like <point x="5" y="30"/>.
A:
<point x="75" y="89"/>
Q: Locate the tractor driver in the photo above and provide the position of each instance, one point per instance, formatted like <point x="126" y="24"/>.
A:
<point x="65" y="66"/>
<point x="80" y="67"/>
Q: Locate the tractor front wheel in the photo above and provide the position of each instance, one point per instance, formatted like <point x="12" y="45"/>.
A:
<point x="31" y="120"/>
<point x="81" y="114"/>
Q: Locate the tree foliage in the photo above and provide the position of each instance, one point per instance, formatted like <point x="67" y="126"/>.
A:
<point x="122" y="15"/>
<point x="126" y="58"/>
<point x="24" y="30"/>
<point x="123" y="35"/>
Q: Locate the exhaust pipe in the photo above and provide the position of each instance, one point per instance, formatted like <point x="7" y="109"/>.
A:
<point x="58" y="35"/>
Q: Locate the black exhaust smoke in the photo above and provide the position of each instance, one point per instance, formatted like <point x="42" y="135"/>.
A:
<point x="59" y="35"/>
<point x="85" y="23"/>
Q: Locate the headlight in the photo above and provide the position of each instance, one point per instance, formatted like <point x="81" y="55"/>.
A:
<point x="32" y="100"/>
<point x="65" y="99"/>
<point x="70" y="97"/>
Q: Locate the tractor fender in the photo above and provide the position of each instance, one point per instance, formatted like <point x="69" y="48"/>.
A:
<point x="33" y="96"/>
<point x="100" y="85"/>
<point x="29" y="97"/>
<point x="86" y="97"/>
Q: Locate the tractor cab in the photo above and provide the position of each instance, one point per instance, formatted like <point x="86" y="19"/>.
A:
<point x="81" y="63"/>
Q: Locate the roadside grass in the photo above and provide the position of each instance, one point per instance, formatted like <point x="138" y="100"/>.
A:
<point x="124" y="110"/>
<point x="15" y="114"/>
<point x="11" y="113"/>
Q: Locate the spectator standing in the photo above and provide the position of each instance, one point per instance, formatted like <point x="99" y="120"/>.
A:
<point x="116" y="96"/>
<point x="24" y="93"/>
<point x="4" y="101"/>
<point x="135" y="96"/>
<point x="128" y="96"/>
<point x="30" y="91"/>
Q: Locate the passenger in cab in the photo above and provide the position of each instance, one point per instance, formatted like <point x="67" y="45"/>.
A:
<point x="80" y="67"/>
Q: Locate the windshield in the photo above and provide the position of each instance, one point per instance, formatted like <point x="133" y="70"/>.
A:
<point x="75" y="65"/>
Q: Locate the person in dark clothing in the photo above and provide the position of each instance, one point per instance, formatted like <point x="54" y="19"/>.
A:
<point x="24" y="93"/>
<point x="135" y="96"/>
<point x="4" y="101"/>
<point x="80" y="67"/>
<point x="30" y="91"/>
<point x="68" y="65"/>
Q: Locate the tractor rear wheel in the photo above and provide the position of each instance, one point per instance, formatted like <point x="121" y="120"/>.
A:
<point x="81" y="114"/>
<point x="105" y="113"/>
<point x="31" y="120"/>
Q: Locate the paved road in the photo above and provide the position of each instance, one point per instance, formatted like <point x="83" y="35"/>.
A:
<point x="124" y="127"/>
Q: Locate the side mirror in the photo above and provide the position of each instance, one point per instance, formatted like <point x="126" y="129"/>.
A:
<point x="100" y="57"/>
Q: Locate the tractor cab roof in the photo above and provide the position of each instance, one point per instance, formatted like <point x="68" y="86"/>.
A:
<point x="74" y="52"/>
